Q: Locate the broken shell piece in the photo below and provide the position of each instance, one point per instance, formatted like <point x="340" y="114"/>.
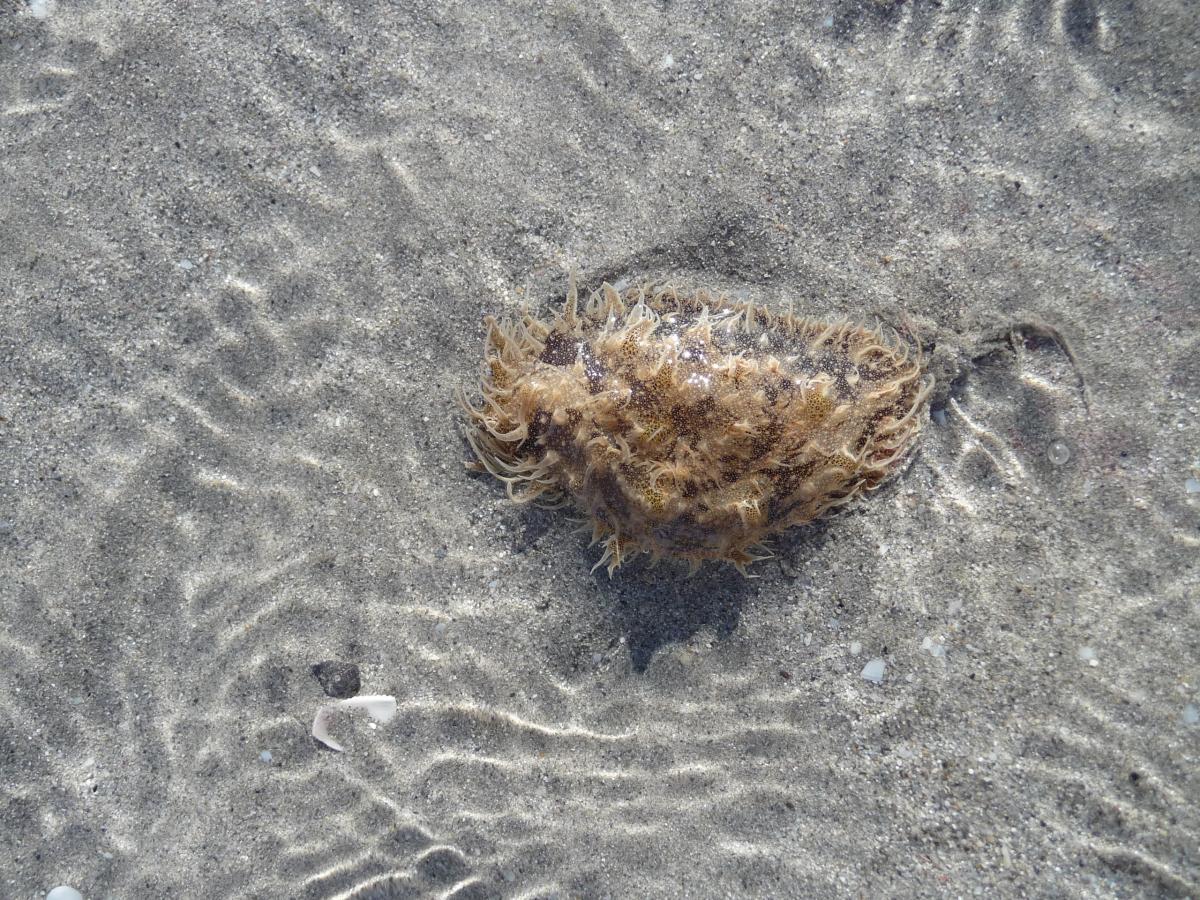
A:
<point x="380" y="707"/>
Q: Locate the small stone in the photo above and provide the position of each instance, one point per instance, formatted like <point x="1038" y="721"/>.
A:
<point x="338" y="679"/>
<point x="855" y="648"/>
<point x="265" y="756"/>
<point x="1190" y="715"/>
<point x="64" y="892"/>
<point x="1088" y="655"/>
<point x="186" y="264"/>
<point x="873" y="671"/>
<point x="1058" y="452"/>
<point x="1192" y="485"/>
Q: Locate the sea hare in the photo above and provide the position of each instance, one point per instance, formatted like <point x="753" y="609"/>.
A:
<point x="688" y="425"/>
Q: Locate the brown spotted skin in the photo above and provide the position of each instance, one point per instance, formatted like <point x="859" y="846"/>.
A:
<point x="689" y="425"/>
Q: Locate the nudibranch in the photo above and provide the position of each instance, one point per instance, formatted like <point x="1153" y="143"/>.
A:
<point x="688" y="425"/>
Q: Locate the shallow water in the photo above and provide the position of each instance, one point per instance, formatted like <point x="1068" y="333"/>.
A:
<point x="245" y="251"/>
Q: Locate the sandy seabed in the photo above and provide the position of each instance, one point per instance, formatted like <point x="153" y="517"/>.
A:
<point x="244" y="253"/>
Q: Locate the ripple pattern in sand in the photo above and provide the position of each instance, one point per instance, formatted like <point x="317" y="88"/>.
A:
<point x="246" y="252"/>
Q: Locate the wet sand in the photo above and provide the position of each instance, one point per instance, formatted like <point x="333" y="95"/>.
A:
<point x="244" y="254"/>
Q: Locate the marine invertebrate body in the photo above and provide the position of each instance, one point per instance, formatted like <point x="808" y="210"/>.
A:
<point x="688" y="425"/>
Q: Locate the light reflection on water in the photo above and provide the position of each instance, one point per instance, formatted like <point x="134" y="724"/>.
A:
<point x="246" y="261"/>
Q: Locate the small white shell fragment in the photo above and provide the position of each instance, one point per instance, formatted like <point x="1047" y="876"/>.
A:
<point x="41" y="9"/>
<point x="933" y="646"/>
<point x="380" y="707"/>
<point x="873" y="671"/>
<point x="64" y="892"/>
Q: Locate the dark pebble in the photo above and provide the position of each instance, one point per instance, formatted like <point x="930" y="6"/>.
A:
<point x="338" y="679"/>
